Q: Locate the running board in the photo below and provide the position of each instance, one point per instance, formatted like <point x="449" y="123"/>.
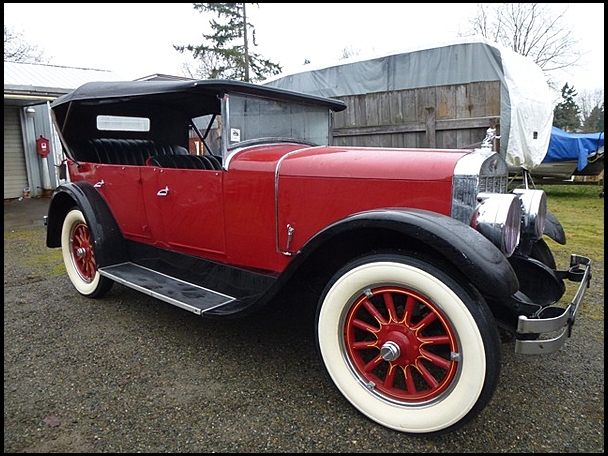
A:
<point x="180" y="293"/>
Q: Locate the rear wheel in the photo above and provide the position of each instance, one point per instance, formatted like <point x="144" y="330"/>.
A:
<point x="77" y="247"/>
<point x="407" y="345"/>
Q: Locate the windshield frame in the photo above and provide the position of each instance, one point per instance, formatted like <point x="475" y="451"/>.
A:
<point x="251" y="119"/>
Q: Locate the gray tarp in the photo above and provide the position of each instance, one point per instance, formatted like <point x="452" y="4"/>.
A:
<point x="526" y="100"/>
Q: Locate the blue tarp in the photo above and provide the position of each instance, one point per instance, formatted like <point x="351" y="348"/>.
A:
<point x="573" y="146"/>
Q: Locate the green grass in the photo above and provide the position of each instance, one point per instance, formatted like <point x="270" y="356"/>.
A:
<point x="27" y="248"/>
<point x="581" y="212"/>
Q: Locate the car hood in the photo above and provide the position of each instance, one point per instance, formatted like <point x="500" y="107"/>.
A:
<point x="371" y="163"/>
<point x="349" y="162"/>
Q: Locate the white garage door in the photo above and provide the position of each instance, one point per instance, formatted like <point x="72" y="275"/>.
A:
<point x="15" y="173"/>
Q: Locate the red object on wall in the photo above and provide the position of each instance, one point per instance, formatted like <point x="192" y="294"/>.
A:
<point x="43" y="146"/>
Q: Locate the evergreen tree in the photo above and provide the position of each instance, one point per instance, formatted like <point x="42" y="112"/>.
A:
<point x="566" y="114"/>
<point x="226" y="52"/>
<point x="600" y="121"/>
<point x="595" y="121"/>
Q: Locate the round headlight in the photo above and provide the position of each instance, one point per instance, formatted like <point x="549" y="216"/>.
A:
<point x="534" y="212"/>
<point x="498" y="218"/>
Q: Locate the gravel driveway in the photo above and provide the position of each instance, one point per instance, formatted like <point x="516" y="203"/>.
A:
<point x="130" y="373"/>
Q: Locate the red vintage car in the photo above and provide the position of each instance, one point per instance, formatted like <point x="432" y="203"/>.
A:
<point x="215" y="196"/>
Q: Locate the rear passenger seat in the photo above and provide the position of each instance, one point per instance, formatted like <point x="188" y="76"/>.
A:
<point x="124" y="151"/>
<point x="210" y="162"/>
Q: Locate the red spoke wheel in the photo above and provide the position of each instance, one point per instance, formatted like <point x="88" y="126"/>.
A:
<point x="408" y="345"/>
<point x="400" y="344"/>
<point x="82" y="252"/>
<point x="77" y="246"/>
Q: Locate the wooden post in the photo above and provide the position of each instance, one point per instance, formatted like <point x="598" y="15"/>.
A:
<point x="430" y="127"/>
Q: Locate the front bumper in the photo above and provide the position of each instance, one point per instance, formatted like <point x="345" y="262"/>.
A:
<point x="553" y="325"/>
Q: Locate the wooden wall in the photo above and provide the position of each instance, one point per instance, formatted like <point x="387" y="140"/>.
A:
<point x="455" y="116"/>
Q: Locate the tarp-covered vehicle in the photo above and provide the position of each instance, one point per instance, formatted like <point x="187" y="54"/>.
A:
<point x="571" y="154"/>
<point x="438" y="95"/>
<point x="216" y="196"/>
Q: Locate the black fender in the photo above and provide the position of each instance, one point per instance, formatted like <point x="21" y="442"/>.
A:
<point x="451" y="240"/>
<point x="554" y="229"/>
<point x="110" y="245"/>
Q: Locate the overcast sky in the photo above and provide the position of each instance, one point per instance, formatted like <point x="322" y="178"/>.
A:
<point x="136" y="39"/>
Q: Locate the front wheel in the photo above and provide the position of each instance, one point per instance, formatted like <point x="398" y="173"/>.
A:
<point x="77" y="248"/>
<point x="407" y="345"/>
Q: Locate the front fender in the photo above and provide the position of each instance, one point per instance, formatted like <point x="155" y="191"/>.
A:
<point x="110" y="246"/>
<point x="462" y="246"/>
<point x="554" y="229"/>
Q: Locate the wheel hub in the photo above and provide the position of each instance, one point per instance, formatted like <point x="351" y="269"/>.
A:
<point x="390" y="351"/>
<point x="399" y="344"/>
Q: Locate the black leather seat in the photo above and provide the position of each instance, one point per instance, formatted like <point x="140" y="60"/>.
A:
<point x="185" y="162"/>
<point x="124" y="151"/>
<point x="215" y="161"/>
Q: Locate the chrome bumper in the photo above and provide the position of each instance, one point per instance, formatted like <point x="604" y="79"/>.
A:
<point x="561" y="319"/>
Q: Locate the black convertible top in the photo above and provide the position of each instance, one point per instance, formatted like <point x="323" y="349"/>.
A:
<point x="205" y="87"/>
<point x="170" y="106"/>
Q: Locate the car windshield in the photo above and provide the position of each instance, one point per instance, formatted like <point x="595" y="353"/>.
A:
<point x="255" y="119"/>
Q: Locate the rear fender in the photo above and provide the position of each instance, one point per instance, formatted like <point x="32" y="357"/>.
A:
<point x="110" y="246"/>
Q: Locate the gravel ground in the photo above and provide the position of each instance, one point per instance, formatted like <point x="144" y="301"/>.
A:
<point x="130" y="373"/>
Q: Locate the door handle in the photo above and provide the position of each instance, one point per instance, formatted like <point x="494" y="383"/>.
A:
<point x="163" y="192"/>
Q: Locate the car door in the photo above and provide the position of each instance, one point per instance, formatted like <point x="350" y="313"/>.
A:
<point x="120" y="186"/>
<point x="184" y="209"/>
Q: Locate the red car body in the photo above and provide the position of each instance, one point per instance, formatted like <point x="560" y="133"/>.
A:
<point x="220" y="204"/>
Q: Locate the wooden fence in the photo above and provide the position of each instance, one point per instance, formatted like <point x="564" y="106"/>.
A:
<point x="451" y="117"/>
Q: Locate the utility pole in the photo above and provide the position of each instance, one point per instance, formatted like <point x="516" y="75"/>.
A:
<point x="246" y="45"/>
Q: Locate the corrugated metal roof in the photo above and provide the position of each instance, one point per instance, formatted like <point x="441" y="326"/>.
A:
<point x="34" y="78"/>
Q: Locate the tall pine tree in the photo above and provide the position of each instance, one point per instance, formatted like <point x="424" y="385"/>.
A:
<point x="226" y="51"/>
<point x="566" y="114"/>
<point x="595" y="120"/>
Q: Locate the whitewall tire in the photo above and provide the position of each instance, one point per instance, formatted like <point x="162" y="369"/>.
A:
<point x="78" y="250"/>
<point x="407" y="345"/>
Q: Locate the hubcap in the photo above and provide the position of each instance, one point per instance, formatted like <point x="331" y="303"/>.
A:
<point x="390" y="351"/>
